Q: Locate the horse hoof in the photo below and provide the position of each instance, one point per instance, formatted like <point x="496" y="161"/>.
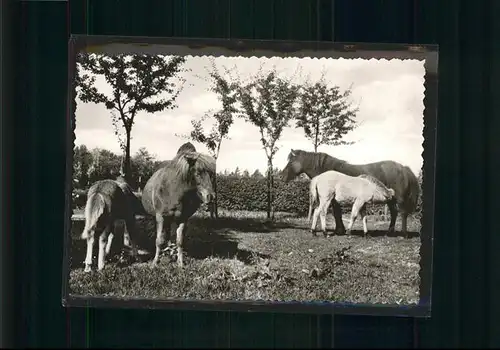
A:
<point x="348" y="232"/>
<point x="325" y="234"/>
<point x="87" y="270"/>
<point x="313" y="233"/>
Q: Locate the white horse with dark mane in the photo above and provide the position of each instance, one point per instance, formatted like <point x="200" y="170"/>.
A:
<point x="344" y="189"/>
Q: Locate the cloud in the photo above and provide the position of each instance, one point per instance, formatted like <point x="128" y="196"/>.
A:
<point x="389" y="94"/>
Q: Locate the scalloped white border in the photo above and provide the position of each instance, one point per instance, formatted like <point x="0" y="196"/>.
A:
<point x="191" y="47"/>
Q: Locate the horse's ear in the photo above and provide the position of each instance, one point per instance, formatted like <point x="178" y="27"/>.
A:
<point x="392" y="192"/>
<point x="292" y="152"/>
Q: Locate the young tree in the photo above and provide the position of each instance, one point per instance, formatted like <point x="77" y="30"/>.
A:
<point x="325" y="114"/>
<point x="138" y="83"/>
<point x="225" y="89"/>
<point x="268" y="102"/>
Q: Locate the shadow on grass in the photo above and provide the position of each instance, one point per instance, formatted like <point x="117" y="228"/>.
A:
<point x="375" y="233"/>
<point x="204" y="238"/>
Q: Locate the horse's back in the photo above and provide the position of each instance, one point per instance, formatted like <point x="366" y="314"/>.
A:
<point x="116" y="201"/>
<point x="393" y="175"/>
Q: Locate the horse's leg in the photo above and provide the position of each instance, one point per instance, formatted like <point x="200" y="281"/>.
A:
<point x="362" y="212"/>
<point x="323" y="208"/>
<point x="404" y="223"/>
<point x="109" y="243"/>
<point x="180" y="243"/>
<point x="354" y="214"/>
<point x="394" y="214"/>
<point x="103" y="240"/>
<point x="160" y="237"/>
<point x="90" y="247"/>
<point x="314" y="221"/>
<point x="130" y="235"/>
<point x="337" y="214"/>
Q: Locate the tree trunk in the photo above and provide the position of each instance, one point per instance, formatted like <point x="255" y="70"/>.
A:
<point x="316" y="137"/>
<point x="215" y="205"/>
<point x="269" y="188"/>
<point x="126" y="165"/>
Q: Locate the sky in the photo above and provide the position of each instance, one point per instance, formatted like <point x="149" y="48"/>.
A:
<point x="388" y="93"/>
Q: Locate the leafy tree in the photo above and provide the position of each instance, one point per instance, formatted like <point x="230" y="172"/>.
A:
<point x="268" y="102"/>
<point x="138" y="83"/>
<point x="105" y="165"/>
<point x="225" y="89"/>
<point x="143" y="167"/>
<point x="81" y="162"/>
<point x="325" y="114"/>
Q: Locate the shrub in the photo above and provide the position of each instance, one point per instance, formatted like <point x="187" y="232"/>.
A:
<point x="247" y="193"/>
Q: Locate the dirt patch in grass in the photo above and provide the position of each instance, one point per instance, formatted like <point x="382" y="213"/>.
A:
<point x="242" y="256"/>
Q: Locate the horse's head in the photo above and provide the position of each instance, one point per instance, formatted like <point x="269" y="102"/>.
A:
<point x="202" y="170"/>
<point x="392" y="194"/>
<point x="294" y="166"/>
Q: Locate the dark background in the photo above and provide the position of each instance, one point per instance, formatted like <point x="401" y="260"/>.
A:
<point x="466" y="307"/>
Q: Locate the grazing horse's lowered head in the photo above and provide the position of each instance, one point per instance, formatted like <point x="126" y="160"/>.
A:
<point x="296" y="165"/>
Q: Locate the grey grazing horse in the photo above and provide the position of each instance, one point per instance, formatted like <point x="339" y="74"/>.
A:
<point x="357" y="191"/>
<point x="174" y="193"/>
<point x="107" y="203"/>
<point x="392" y="174"/>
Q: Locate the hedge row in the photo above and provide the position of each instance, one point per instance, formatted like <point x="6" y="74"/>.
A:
<point x="247" y="193"/>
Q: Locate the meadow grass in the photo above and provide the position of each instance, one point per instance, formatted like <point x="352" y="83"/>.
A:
<point x="243" y="256"/>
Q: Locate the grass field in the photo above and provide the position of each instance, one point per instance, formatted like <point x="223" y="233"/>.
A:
<point x="243" y="257"/>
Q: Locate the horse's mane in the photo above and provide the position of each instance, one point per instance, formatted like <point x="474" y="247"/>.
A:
<point x="204" y="163"/>
<point x="376" y="182"/>
<point x="316" y="160"/>
<point x="186" y="147"/>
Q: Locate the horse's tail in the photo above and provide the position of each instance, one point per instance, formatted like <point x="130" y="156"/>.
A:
<point x="412" y="192"/>
<point x="93" y="210"/>
<point x="313" y="197"/>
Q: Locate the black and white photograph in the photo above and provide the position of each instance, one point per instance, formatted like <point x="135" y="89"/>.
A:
<point x="249" y="178"/>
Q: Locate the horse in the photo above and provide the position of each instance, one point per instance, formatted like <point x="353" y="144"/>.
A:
<point x="344" y="189"/>
<point x="175" y="192"/>
<point x="106" y="204"/>
<point x="392" y="174"/>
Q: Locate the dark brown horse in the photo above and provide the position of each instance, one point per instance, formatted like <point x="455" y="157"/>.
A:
<point x="175" y="192"/>
<point x="106" y="204"/>
<point x="392" y="174"/>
